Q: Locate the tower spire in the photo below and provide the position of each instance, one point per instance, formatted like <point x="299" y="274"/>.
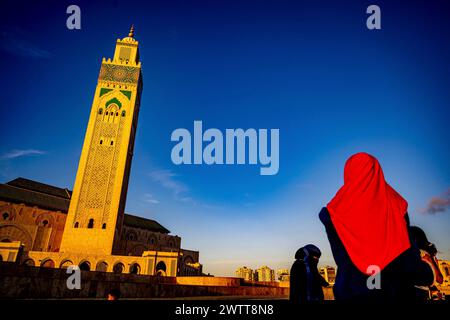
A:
<point x="95" y="216"/>
<point x="131" y="33"/>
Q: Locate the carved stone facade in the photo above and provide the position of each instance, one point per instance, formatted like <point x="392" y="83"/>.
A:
<point x="37" y="229"/>
<point x="32" y="220"/>
<point x="56" y="227"/>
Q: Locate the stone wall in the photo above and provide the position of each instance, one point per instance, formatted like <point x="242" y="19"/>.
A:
<point x="25" y="282"/>
<point x="210" y="281"/>
<point x="148" y="264"/>
<point x="41" y="230"/>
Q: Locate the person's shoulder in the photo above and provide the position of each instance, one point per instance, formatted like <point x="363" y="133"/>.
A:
<point x="295" y="267"/>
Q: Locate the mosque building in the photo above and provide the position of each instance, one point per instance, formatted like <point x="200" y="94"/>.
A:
<point x="48" y="226"/>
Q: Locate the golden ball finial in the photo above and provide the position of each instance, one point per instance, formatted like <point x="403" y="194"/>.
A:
<point x="131" y="33"/>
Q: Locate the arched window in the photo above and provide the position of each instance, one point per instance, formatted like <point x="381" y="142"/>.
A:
<point x="101" y="141"/>
<point x="188" y="259"/>
<point x="123" y="113"/>
<point x="91" y="223"/>
<point x="5" y="216"/>
<point x="118" y="267"/>
<point x="76" y="225"/>
<point x="102" y="266"/>
<point x="100" y="111"/>
<point x="135" y="268"/>
<point x="85" y="266"/>
<point x="49" y="263"/>
<point x="106" y="112"/>
<point x="65" y="264"/>
<point x="112" y="142"/>
<point x="161" y="268"/>
<point x="44" y="223"/>
<point x="104" y="226"/>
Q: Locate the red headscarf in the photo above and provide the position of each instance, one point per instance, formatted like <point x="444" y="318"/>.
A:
<point x="369" y="215"/>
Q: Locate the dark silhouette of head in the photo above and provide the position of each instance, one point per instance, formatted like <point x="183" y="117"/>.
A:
<point x="309" y="251"/>
<point x="421" y="240"/>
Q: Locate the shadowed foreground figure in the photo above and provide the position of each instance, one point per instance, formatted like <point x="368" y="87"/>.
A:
<point x="428" y="253"/>
<point x="367" y="225"/>
<point x="305" y="281"/>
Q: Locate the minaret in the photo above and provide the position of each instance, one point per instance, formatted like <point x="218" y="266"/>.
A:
<point x="97" y="206"/>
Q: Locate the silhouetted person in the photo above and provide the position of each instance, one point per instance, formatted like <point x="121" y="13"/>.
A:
<point x="114" y="294"/>
<point x="428" y="253"/>
<point x="305" y="281"/>
<point x="367" y="225"/>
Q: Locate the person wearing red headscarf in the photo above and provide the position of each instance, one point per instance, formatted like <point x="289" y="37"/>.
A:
<point x="368" y="229"/>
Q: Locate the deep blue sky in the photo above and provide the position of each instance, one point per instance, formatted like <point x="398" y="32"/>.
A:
<point x="310" y="68"/>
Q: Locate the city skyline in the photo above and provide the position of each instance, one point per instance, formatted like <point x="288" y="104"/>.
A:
<point x="332" y="88"/>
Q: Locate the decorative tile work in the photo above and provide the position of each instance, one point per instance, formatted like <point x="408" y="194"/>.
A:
<point x="127" y="93"/>
<point x="104" y="91"/>
<point x="115" y="101"/>
<point x="117" y="73"/>
<point x="101" y="170"/>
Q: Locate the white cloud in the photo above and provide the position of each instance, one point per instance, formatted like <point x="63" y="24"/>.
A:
<point x="167" y="180"/>
<point x="150" y="199"/>
<point x="15" y="45"/>
<point x="180" y="192"/>
<point x="21" y="153"/>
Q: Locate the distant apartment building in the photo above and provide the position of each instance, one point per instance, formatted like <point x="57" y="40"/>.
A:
<point x="245" y="273"/>
<point x="283" y="275"/>
<point x="328" y="273"/>
<point x="444" y="266"/>
<point x="265" y="274"/>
